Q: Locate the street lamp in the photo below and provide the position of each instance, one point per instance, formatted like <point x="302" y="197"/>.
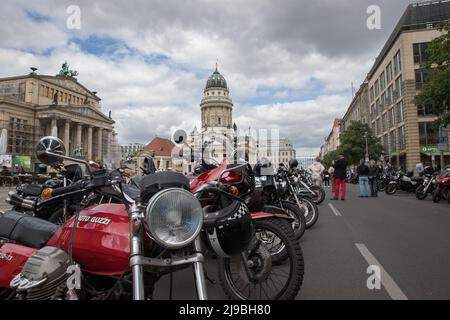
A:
<point x="367" y="147"/>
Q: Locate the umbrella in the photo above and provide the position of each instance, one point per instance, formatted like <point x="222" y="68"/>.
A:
<point x="3" y="141"/>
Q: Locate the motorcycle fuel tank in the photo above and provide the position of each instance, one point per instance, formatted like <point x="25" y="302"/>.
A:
<point x="101" y="243"/>
<point x="12" y="259"/>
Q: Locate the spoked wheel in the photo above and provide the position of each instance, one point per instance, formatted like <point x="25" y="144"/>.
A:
<point x="311" y="212"/>
<point x="298" y="214"/>
<point x="421" y="194"/>
<point x="437" y="195"/>
<point x="391" y="189"/>
<point x="253" y="275"/>
<point x="319" y="194"/>
<point x="381" y="185"/>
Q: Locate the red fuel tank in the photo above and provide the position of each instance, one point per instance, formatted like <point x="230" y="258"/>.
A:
<point x="12" y="259"/>
<point x="102" y="239"/>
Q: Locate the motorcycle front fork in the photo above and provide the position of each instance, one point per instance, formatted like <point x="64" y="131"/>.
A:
<point x="137" y="269"/>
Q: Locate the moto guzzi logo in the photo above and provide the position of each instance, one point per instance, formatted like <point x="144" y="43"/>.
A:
<point x="97" y="220"/>
<point x="6" y="257"/>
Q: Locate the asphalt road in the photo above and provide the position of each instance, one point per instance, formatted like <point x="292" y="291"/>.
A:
<point x="407" y="239"/>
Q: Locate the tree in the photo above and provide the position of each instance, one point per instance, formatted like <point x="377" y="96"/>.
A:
<point x="330" y="156"/>
<point x="353" y="143"/>
<point x="436" y="91"/>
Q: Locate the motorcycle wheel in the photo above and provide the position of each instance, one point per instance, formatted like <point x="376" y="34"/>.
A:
<point x="436" y="195"/>
<point x="311" y="212"/>
<point x="319" y="194"/>
<point x="381" y="186"/>
<point x="448" y="196"/>
<point x="251" y="275"/>
<point x="420" y="193"/>
<point x="299" y="223"/>
<point x="391" y="189"/>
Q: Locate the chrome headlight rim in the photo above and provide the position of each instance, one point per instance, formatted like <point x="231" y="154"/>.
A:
<point x="153" y="234"/>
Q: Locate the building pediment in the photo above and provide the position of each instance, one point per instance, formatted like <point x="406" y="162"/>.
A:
<point x="70" y="83"/>
<point x="85" y="112"/>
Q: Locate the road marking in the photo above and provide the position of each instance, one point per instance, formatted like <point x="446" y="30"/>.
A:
<point x="386" y="280"/>
<point x="335" y="211"/>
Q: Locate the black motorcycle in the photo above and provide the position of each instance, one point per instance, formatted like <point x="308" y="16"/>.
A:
<point x="428" y="186"/>
<point x="405" y="182"/>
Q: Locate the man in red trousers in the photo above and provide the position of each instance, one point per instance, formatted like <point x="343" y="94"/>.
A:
<point x="340" y="172"/>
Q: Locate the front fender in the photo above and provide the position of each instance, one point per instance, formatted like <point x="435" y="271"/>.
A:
<point x="268" y="215"/>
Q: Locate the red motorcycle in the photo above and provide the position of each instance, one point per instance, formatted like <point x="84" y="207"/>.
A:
<point x="272" y="266"/>
<point x="107" y="251"/>
<point x="443" y="186"/>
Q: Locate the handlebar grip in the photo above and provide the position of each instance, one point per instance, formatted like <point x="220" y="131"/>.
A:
<point x="59" y="191"/>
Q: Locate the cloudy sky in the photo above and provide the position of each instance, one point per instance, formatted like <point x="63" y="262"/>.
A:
<point x="289" y="64"/>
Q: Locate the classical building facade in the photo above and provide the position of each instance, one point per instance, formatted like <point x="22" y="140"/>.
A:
<point x="276" y="150"/>
<point x="359" y="108"/>
<point x="332" y="141"/>
<point x="130" y="150"/>
<point x="35" y="105"/>
<point x="385" y="99"/>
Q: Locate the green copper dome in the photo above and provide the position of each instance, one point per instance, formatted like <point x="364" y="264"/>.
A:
<point x="216" y="80"/>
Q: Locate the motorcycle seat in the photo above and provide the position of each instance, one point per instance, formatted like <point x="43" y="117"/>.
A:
<point x="24" y="229"/>
<point x="33" y="190"/>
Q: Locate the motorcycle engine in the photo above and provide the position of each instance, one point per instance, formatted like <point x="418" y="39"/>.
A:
<point x="42" y="274"/>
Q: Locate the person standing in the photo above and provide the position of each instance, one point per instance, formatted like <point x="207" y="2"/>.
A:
<point x="326" y="178"/>
<point x="317" y="169"/>
<point x="374" y="171"/>
<point x="340" y="172"/>
<point x="363" y="174"/>
<point x="149" y="164"/>
<point x="332" y="178"/>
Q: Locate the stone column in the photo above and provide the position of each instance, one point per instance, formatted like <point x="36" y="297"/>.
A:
<point x="78" y="137"/>
<point x="89" y="144"/>
<point x="108" y="143"/>
<point x="67" y="137"/>
<point x="99" y="143"/>
<point x="54" y="128"/>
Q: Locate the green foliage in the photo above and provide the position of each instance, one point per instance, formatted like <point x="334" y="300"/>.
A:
<point x="328" y="158"/>
<point x="436" y="91"/>
<point x="353" y="143"/>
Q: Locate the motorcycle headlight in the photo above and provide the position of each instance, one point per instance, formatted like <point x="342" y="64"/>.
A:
<point x="174" y="218"/>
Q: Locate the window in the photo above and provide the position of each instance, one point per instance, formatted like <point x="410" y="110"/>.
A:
<point x="382" y="81"/>
<point x="379" y="125"/>
<point x="397" y="63"/>
<point x="400" y="112"/>
<point x="384" y="122"/>
<point x="393" y="142"/>
<point x="385" y="143"/>
<point x="421" y="78"/>
<point x="377" y="88"/>
<point x="401" y="138"/>
<point x="428" y="134"/>
<point x="389" y="73"/>
<point x="372" y="94"/>
<point x="220" y="120"/>
<point x="426" y="110"/>
<point x="391" y="118"/>
<point x="398" y="86"/>
<point x="390" y="95"/>
<point x="420" y="52"/>
<point x="383" y="101"/>
<point x="377" y="107"/>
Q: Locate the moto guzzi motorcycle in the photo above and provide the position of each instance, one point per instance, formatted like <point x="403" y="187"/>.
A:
<point x="106" y="251"/>
<point x="272" y="266"/>
<point x="442" y="190"/>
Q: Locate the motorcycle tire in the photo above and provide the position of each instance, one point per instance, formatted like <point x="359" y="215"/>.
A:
<point x="381" y="186"/>
<point x="420" y="193"/>
<point x="299" y="225"/>
<point x="391" y="189"/>
<point x="294" y="261"/>
<point x="436" y="195"/>
<point x="448" y="196"/>
<point x="311" y="212"/>
<point x="319" y="194"/>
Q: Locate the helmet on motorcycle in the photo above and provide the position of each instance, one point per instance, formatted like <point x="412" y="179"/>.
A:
<point x="293" y="163"/>
<point x="230" y="231"/>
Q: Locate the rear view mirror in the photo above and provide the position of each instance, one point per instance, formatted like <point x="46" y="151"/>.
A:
<point x="50" y="151"/>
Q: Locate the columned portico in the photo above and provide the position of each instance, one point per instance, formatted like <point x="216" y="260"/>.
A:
<point x="89" y="143"/>
<point x="99" y="143"/>
<point x="67" y="137"/>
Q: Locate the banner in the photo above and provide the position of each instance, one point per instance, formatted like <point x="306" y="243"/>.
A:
<point x="23" y="161"/>
<point x="6" y="160"/>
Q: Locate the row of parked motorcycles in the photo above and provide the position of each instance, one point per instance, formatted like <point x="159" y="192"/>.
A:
<point x="103" y="236"/>
<point x="429" y="183"/>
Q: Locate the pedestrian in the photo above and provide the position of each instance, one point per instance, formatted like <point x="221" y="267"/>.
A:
<point x="317" y="169"/>
<point x="419" y="168"/>
<point x="332" y="178"/>
<point x="340" y="171"/>
<point x="363" y="174"/>
<point x="149" y="164"/>
<point x="374" y="171"/>
<point x="326" y="178"/>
